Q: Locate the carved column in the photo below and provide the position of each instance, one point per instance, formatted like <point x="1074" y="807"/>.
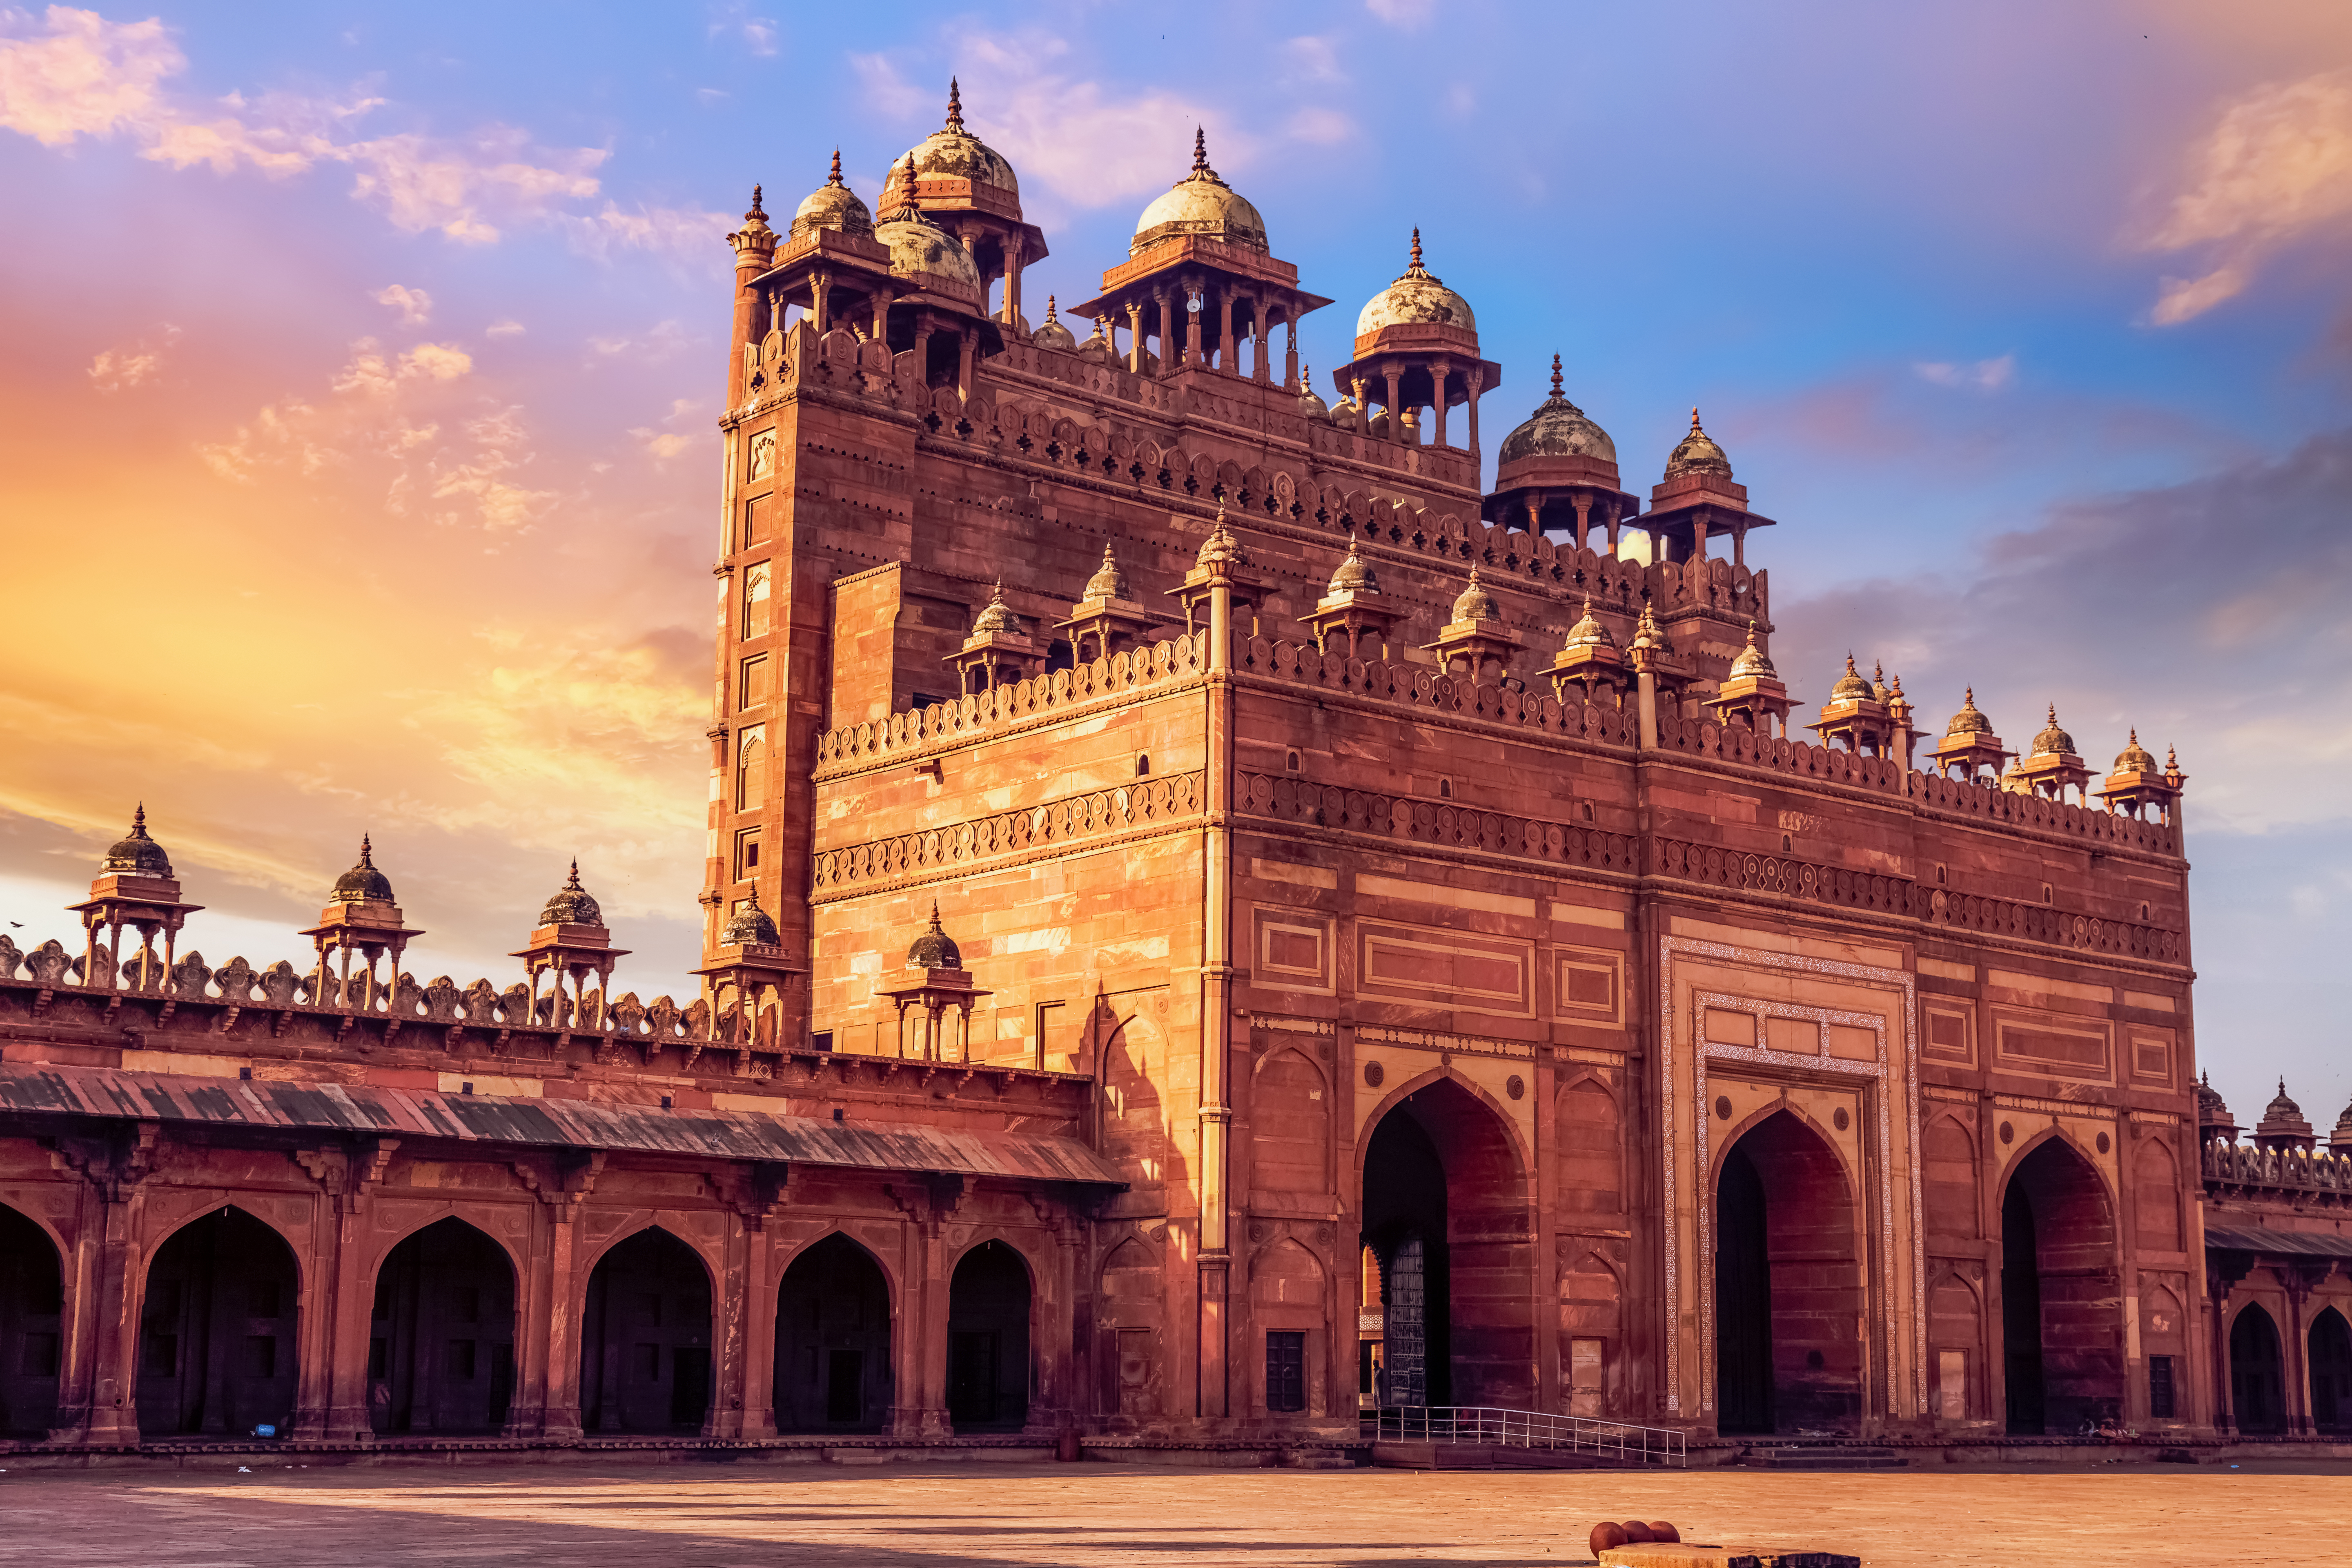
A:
<point x="1135" y="336"/>
<point x="1438" y="369"/>
<point x="1168" y="341"/>
<point x="1476" y="377"/>
<point x="97" y="1395"/>
<point x="1396" y="403"/>
<point x="1226" y="346"/>
<point x="1013" y="245"/>
<point x="1290" y="353"/>
<point x="547" y="1356"/>
<point x="1583" y="518"/>
<point x="348" y="1179"/>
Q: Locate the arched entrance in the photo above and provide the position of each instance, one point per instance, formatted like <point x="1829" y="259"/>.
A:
<point x="645" y="1339"/>
<point x="441" y="1333"/>
<point x="1445" y="1214"/>
<point x="832" y="1340"/>
<point x="2257" y="1373"/>
<point x="217" y="1327"/>
<point x="1788" y="1297"/>
<point x="2061" y="1340"/>
<point x="2331" y="1372"/>
<point x="988" y="1340"/>
<point x="32" y="1304"/>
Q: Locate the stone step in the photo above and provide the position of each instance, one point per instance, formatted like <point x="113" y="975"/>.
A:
<point x="1482" y="1456"/>
<point x="1824" y="1457"/>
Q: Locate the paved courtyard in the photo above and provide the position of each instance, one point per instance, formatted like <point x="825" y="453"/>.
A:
<point x="951" y="1515"/>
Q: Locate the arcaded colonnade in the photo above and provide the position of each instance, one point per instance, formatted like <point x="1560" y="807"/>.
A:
<point x="155" y="1288"/>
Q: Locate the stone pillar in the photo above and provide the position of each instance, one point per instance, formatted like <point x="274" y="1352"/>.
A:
<point x="1214" y="1386"/>
<point x="1396" y="403"/>
<point x="923" y="330"/>
<point x="1168" y="338"/>
<point x="967" y="346"/>
<point x="1192" y="355"/>
<point x="1226" y="346"/>
<point x="1363" y="415"/>
<point x="1012" y="248"/>
<point x="1476" y="376"/>
<point x="1583" y="518"/>
<point x="1135" y="336"/>
<point x="932" y="1335"/>
<point x="882" y="317"/>
<point x="98" y="1394"/>
<point x="1648" y="701"/>
<point x="820" y="285"/>
<point x="1439" y="368"/>
<point x="1262" y="367"/>
<point x="1290" y="353"/>
<point x="1740" y="544"/>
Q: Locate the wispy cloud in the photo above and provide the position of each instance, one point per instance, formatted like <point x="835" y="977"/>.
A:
<point x="1407" y="15"/>
<point x="1322" y="127"/>
<point x="737" y="23"/>
<point x="1310" y="59"/>
<point x="119" y="369"/>
<point x="415" y="305"/>
<point x="1984" y="374"/>
<point x="80" y="75"/>
<point x="2276" y="167"/>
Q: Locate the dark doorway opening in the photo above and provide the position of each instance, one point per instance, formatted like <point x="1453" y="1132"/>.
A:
<point x="1743" y="1300"/>
<point x="2257" y="1373"/>
<point x="832" y="1340"/>
<point x="1788" y="1284"/>
<point x="2331" y="1372"/>
<point x="441" y="1334"/>
<point x="32" y="1308"/>
<point x="1445" y="1214"/>
<point x="645" y="1340"/>
<point x="2061" y="1343"/>
<point x="216" y="1348"/>
<point x="988" y="1340"/>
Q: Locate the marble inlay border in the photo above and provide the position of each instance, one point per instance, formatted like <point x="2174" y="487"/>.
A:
<point x="1902" y="980"/>
<point x="2055" y="1107"/>
<point x="1293" y="1025"/>
<point x="1461" y="1045"/>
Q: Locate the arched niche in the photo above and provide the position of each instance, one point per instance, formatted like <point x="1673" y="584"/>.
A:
<point x="1286" y="1302"/>
<point x="2257" y="1372"/>
<point x="1129" y="1301"/>
<point x="2330" y="1347"/>
<point x="832" y="1369"/>
<point x="645" y="1338"/>
<point x="1290" y="1125"/>
<point x="441" y="1333"/>
<point x="989" y="1375"/>
<point x="1788" y="1289"/>
<point x="32" y="1326"/>
<point x="217" y="1329"/>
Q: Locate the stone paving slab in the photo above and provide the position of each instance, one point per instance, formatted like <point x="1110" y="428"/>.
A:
<point x="1011" y="1516"/>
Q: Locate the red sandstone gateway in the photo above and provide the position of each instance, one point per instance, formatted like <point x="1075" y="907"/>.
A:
<point x="1217" y="930"/>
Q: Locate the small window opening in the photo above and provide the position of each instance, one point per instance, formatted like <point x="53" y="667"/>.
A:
<point x="467" y="1087"/>
<point x="2047" y="896"/>
<point x="2143" y="913"/>
<point x="1940" y="877"/>
<point x="1786" y="844"/>
<point x="1142" y="764"/>
<point x="1290" y="760"/>
<point x="1445" y="789"/>
<point x="1588" y="811"/>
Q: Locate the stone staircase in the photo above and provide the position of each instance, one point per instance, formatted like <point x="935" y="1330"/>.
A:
<point x="1823" y="1457"/>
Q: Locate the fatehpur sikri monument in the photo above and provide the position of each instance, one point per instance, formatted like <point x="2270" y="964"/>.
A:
<point x="1220" y="934"/>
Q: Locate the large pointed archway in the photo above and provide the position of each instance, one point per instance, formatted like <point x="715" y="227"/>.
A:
<point x="1788" y="1287"/>
<point x="441" y="1333"/>
<point x="2061" y="1336"/>
<point x="32" y="1307"/>
<point x="2330" y="1342"/>
<point x="645" y="1338"/>
<point x="832" y="1340"/>
<point x="2257" y="1372"/>
<point x="1445" y="1212"/>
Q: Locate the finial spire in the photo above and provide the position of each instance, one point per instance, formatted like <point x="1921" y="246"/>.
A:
<point x="908" y="206"/>
<point x="834" y="178"/>
<point x="1695" y="425"/>
<point x="755" y="211"/>
<point x="1200" y="150"/>
<point x="935" y="914"/>
<point x="1049" y="308"/>
<point x="139" y="821"/>
<point x="367" y="851"/>
<point x="1416" y="248"/>
<point x="1555" y="375"/>
<point x="955" y="105"/>
<point x="571" y="882"/>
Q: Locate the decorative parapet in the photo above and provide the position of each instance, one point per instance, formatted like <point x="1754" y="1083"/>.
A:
<point x="979" y="715"/>
<point x="2245" y="1166"/>
<point x="959" y="847"/>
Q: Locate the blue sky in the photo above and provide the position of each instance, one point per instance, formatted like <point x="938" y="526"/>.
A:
<point x="379" y="347"/>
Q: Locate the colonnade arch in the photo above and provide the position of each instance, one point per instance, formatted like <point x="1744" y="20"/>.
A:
<point x="990" y="1300"/>
<point x="1789" y="1283"/>
<point x="2330" y="1361"/>
<point x="219" y="1313"/>
<point x="833" y="1367"/>
<point x="32" y="1328"/>
<point x="441" y="1333"/>
<point x="646" y="1338"/>
<point x="2062" y="1340"/>
<point x="2257" y="1372"/>
<point x="1446" y="1211"/>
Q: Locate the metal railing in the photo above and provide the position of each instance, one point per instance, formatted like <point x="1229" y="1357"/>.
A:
<point x="1489" y="1426"/>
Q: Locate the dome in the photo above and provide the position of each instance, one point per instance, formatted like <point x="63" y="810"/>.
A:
<point x="1309" y="405"/>
<point x="2052" y="742"/>
<point x="934" y="949"/>
<point x="996" y="617"/>
<point x="1352" y="575"/>
<point x="833" y="206"/>
<point x="749" y="926"/>
<point x="1588" y="632"/>
<point x="2211" y="1110"/>
<point x="2134" y="758"/>
<point x="137" y="855"/>
<point x="1200" y="204"/>
<point x="1416" y="300"/>
<point x="1220" y="548"/>
<point x="1878" y="686"/>
<point x="1098" y="346"/>
<point x="1053" y="334"/>
<point x="917" y="246"/>
<point x="362" y="883"/>
<point x="1650" y="635"/>
<point x="2283" y="1123"/>
<point x="1968" y="720"/>
<point x="1475" y="603"/>
<point x="1558" y="428"/>
<point x="1108" y="581"/>
<point x="1851" y="687"/>
<point x="954" y="152"/>
<point x="572" y="906"/>
<point x="1698" y="454"/>
<point x="1751" y="660"/>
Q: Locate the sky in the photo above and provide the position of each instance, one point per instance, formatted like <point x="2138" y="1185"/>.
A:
<point x="358" y="464"/>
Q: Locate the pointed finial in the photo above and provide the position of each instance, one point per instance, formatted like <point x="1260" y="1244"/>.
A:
<point x="908" y="206"/>
<point x="2054" y="712"/>
<point x="2171" y="762"/>
<point x="139" y="821"/>
<point x="955" y="105"/>
<point x="1969" y="697"/>
<point x="754" y="899"/>
<point x="1474" y="574"/>
<point x="1849" y="665"/>
<point x="1751" y="625"/>
<point x="1200" y="150"/>
<point x="1897" y="687"/>
<point x="367" y="851"/>
<point x="1555" y="375"/>
<point x="571" y="882"/>
<point x="1695" y="419"/>
<point x="834" y="178"/>
<point x="1878" y="671"/>
<point x="1416" y="248"/>
<point x="755" y="211"/>
<point x="935" y="914"/>
<point x="2135" y="735"/>
<point x="1049" y="308"/>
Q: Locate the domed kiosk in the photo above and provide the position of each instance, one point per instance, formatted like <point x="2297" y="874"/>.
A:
<point x="1558" y="470"/>
<point x="1417" y="347"/>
